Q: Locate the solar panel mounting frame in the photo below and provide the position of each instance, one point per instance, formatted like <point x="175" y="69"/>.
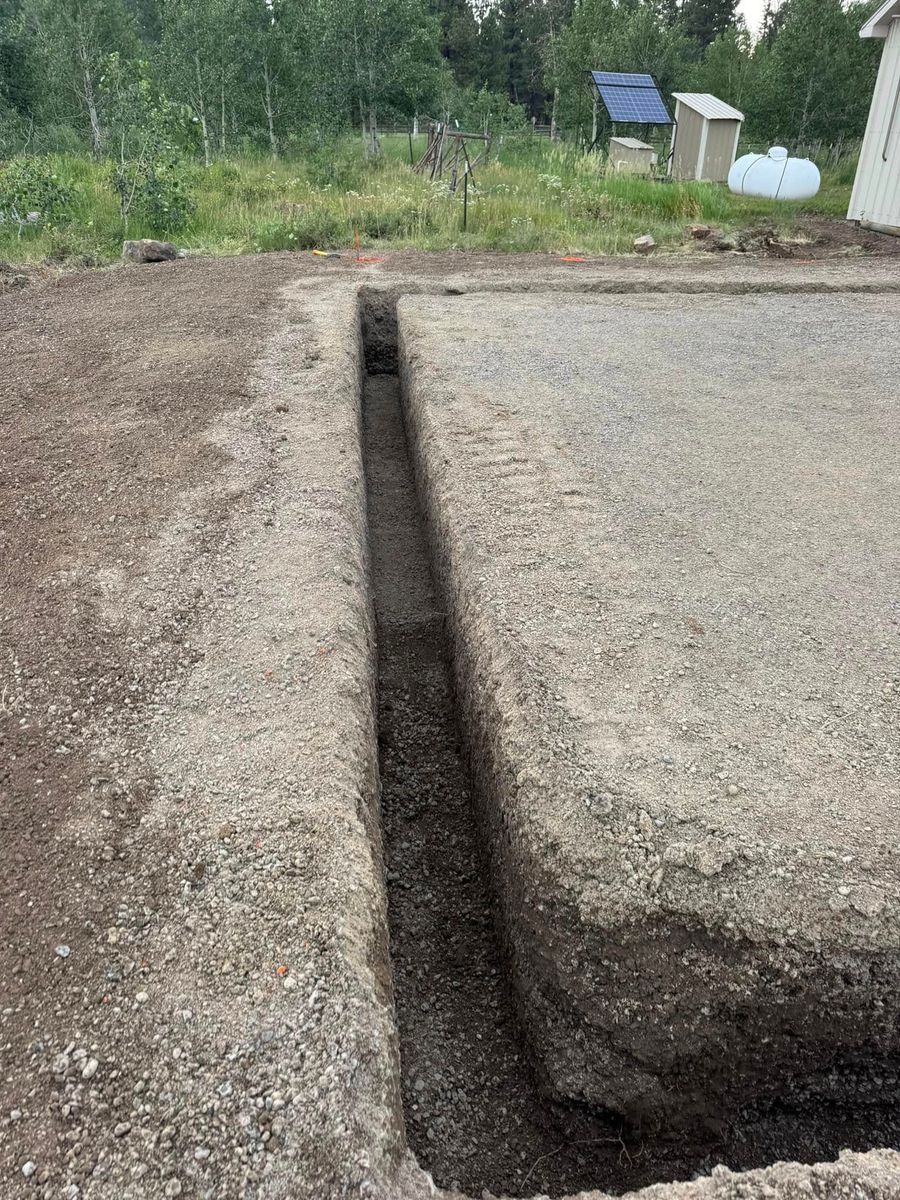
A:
<point x="631" y="98"/>
<point x="637" y="81"/>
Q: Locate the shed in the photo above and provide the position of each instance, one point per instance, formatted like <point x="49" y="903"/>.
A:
<point x="875" y="201"/>
<point x="705" y="139"/>
<point x="631" y="156"/>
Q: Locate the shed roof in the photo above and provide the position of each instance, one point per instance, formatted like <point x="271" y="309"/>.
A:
<point x="710" y="106"/>
<point x="631" y="143"/>
<point x="879" y="25"/>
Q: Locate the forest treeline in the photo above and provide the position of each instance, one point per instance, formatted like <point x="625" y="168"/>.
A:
<point x="236" y="76"/>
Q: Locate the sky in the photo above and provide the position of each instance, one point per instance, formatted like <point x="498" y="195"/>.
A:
<point x="753" y="11"/>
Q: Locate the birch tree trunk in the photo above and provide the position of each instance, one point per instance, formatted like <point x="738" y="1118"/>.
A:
<point x="554" y="133"/>
<point x="804" y="120"/>
<point x="270" y="115"/>
<point x="201" y="109"/>
<point x="373" y="132"/>
<point x="90" y="102"/>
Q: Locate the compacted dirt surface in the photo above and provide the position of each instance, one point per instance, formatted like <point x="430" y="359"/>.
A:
<point x="195" y="989"/>
<point x="672" y="580"/>
<point x="185" y="695"/>
<point x="476" y="1113"/>
<point x="109" y="387"/>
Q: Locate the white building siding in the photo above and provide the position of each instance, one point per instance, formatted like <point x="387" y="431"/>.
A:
<point x="876" y="192"/>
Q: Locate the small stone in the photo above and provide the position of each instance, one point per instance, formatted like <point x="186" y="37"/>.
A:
<point x="732" y="789"/>
<point x="700" y="232"/>
<point x="173" y="1187"/>
<point x="142" y="997"/>
<point x="62" y="951"/>
<point x="645" y="244"/>
<point x="90" y="1069"/>
<point x="28" y="1169"/>
<point x="122" y="1128"/>
<point x="290" y="983"/>
<point x="227" y="831"/>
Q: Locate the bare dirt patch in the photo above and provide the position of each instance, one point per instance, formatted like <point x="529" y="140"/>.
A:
<point x="110" y="384"/>
<point x="182" y="1013"/>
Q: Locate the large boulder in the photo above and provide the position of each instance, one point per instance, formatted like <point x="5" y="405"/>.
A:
<point x="146" y="250"/>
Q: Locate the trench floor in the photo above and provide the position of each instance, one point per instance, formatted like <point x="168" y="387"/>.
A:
<point x="474" y="1111"/>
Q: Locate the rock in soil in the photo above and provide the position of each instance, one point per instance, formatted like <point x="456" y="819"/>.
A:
<point x="146" y="250"/>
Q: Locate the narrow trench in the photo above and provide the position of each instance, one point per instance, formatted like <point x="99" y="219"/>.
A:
<point x="475" y="1115"/>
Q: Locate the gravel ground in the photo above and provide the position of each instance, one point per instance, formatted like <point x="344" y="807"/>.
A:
<point x="187" y="707"/>
<point x="192" y="938"/>
<point x="672" y="576"/>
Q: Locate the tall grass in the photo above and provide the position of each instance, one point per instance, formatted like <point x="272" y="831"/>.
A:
<point x="531" y="195"/>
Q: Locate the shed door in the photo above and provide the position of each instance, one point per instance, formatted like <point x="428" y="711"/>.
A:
<point x="876" y="194"/>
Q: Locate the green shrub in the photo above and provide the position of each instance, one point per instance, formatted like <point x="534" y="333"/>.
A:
<point x="340" y="166"/>
<point x="222" y="175"/>
<point x="56" y="139"/>
<point x="317" y="229"/>
<point x="156" y="192"/>
<point x="403" y="220"/>
<point x="30" y="185"/>
<point x="72" y="248"/>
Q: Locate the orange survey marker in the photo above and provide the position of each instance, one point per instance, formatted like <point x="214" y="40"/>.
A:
<point x="571" y="258"/>
<point x="359" y="257"/>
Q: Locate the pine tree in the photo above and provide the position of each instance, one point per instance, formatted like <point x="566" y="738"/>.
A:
<point x="669" y="11"/>
<point x="17" y="80"/>
<point x="491" y="54"/>
<point x="817" y="76"/>
<point x="773" y="19"/>
<point x="459" y="39"/>
<point x="704" y="20"/>
<point x="147" y="18"/>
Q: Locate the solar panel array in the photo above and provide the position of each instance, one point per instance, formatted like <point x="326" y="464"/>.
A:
<point x="631" y="98"/>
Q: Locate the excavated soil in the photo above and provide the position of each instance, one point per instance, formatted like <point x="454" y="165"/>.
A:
<point x="111" y="385"/>
<point x="477" y="1115"/>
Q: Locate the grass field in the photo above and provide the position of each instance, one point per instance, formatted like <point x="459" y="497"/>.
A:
<point x="531" y="196"/>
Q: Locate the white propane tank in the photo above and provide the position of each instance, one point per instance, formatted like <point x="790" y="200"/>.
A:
<point x="774" y="176"/>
